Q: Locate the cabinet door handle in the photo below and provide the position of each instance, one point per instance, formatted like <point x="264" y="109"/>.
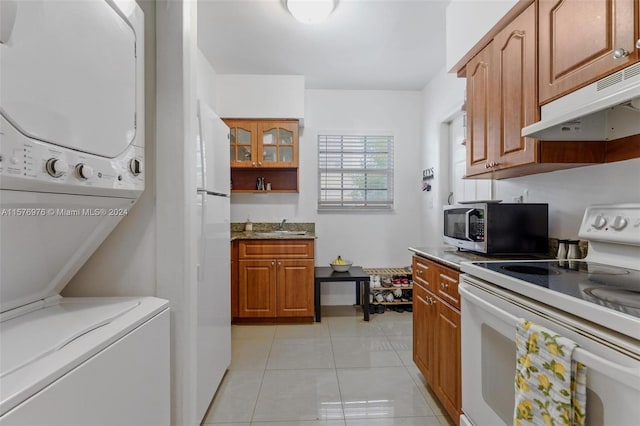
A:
<point x="419" y="272"/>
<point x="259" y="163"/>
<point x="487" y="165"/>
<point x="620" y="53"/>
<point x="279" y="263"/>
<point x="638" y="43"/>
<point x="253" y="164"/>
<point x="444" y="286"/>
<point x="273" y="263"/>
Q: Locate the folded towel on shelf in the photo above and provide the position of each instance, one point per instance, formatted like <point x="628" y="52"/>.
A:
<point x="550" y="385"/>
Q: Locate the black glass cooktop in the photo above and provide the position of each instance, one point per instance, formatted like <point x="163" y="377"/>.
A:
<point x="610" y="286"/>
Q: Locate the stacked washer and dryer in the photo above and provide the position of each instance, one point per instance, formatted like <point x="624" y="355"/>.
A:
<point x="71" y="167"/>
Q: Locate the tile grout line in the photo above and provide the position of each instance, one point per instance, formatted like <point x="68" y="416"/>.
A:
<point x="264" y="372"/>
<point x="419" y="385"/>
<point x="335" y="369"/>
<point x="413" y="379"/>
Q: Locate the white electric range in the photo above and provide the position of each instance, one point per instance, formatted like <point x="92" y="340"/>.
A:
<point x="594" y="301"/>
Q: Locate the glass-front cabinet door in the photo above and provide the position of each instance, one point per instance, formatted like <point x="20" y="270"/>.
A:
<point x="278" y="143"/>
<point x="242" y="143"/>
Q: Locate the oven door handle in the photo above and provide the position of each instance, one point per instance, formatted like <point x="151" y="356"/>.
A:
<point x="630" y="376"/>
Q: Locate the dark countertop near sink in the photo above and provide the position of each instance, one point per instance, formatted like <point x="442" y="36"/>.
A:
<point x="238" y="232"/>
<point x="450" y="256"/>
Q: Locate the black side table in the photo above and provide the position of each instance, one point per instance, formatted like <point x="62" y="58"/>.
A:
<point x="355" y="274"/>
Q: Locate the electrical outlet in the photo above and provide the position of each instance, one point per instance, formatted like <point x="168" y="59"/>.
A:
<point x="517" y="200"/>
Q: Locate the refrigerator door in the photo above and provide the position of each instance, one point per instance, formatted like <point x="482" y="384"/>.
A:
<point x="214" y="149"/>
<point x="214" y="299"/>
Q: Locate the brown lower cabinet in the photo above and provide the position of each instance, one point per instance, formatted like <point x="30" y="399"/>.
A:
<point x="436" y="332"/>
<point x="274" y="281"/>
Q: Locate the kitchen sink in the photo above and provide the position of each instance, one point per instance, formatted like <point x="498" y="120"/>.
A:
<point x="281" y="233"/>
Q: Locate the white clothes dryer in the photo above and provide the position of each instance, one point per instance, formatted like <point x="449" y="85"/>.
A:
<point x="71" y="166"/>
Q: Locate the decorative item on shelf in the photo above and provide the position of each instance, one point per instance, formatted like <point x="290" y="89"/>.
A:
<point x="248" y="226"/>
<point x="427" y="175"/>
<point x="260" y="184"/>
<point x="268" y="186"/>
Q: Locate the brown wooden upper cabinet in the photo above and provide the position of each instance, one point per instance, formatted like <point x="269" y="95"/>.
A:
<point x="582" y="41"/>
<point x="263" y="143"/>
<point x="480" y="131"/>
<point x="243" y="137"/>
<point x="278" y="143"/>
<point x="501" y="99"/>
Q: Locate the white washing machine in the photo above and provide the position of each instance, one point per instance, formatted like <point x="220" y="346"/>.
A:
<point x="71" y="167"/>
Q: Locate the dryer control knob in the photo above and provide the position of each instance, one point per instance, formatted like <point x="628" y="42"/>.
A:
<point x="599" y="222"/>
<point x="84" y="171"/>
<point x="619" y="223"/>
<point x="56" y="167"/>
<point x="135" y="166"/>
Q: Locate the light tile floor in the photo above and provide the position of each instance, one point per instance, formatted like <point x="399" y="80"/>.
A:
<point x="340" y="372"/>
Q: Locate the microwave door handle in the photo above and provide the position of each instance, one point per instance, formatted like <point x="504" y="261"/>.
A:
<point x="629" y="376"/>
<point x="467" y="215"/>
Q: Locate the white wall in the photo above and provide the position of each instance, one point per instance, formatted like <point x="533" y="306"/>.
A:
<point x="177" y="71"/>
<point x="260" y="96"/>
<point x="125" y="263"/>
<point x="569" y="192"/>
<point x="442" y="96"/>
<point x="468" y="21"/>
<point x="207" y="80"/>
<point x="369" y="239"/>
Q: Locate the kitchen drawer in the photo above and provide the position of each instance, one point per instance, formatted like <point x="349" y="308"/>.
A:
<point x="280" y="249"/>
<point x="423" y="273"/>
<point x="446" y="285"/>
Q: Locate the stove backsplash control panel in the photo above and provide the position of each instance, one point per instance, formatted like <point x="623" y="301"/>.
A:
<point x="618" y="224"/>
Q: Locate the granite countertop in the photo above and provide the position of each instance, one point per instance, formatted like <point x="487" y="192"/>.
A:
<point x="451" y="257"/>
<point x="259" y="228"/>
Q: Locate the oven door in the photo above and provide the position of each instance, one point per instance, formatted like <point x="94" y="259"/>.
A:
<point x="489" y="316"/>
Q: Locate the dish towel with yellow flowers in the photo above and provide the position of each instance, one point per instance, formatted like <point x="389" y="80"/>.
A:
<point x="550" y="385"/>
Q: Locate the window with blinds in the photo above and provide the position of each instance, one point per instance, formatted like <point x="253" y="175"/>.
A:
<point x="355" y="172"/>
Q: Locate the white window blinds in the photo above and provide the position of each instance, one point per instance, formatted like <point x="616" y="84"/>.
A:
<point x="355" y="172"/>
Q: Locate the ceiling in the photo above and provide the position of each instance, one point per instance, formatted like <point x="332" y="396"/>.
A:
<point x="364" y="44"/>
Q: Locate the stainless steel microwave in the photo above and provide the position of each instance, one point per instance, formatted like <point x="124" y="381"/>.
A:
<point x="496" y="228"/>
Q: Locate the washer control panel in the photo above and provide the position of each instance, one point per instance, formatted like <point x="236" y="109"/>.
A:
<point x="618" y="223"/>
<point x="29" y="164"/>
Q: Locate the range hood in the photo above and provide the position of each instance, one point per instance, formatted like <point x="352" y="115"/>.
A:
<point x="604" y="110"/>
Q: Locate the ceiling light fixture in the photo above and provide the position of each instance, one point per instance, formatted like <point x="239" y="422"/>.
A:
<point x="311" y="11"/>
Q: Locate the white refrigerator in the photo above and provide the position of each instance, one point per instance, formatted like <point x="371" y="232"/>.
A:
<point x="214" y="274"/>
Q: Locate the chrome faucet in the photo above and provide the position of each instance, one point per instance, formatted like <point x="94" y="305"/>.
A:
<point x="281" y="227"/>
